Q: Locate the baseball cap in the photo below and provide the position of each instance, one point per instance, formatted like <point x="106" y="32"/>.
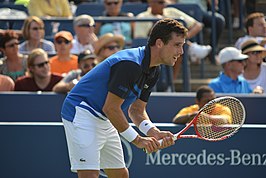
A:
<point x="86" y="55"/>
<point x="84" y="20"/>
<point x="64" y="34"/>
<point x="251" y="45"/>
<point x="231" y="53"/>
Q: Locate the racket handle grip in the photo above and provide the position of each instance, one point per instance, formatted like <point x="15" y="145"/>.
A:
<point x="160" y="141"/>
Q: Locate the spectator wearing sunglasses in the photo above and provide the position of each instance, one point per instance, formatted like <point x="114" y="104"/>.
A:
<point x="33" y="33"/>
<point x="85" y="36"/>
<point x="64" y="61"/>
<point x="86" y="61"/>
<point x="230" y="80"/>
<point x="113" y="9"/>
<point x="107" y="45"/>
<point x="255" y="68"/>
<point x="40" y="77"/>
<point x="13" y="64"/>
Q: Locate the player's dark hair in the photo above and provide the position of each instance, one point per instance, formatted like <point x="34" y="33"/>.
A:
<point x="163" y="30"/>
<point x="201" y="90"/>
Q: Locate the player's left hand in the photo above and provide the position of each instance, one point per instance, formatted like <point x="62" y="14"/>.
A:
<point x="165" y="136"/>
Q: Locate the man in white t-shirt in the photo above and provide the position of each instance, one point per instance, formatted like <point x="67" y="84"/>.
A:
<point x="85" y="36"/>
<point x="255" y="68"/>
<point x="256" y="28"/>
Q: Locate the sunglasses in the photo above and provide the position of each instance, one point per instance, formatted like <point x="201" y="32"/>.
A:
<point x="40" y="65"/>
<point x="62" y="41"/>
<point x="86" y="25"/>
<point x="239" y="61"/>
<point x="37" y="28"/>
<point x="255" y="52"/>
<point x="112" y="47"/>
<point x="12" y="45"/>
<point x="110" y="3"/>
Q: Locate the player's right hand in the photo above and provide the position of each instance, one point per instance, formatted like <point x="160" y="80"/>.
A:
<point x="150" y="144"/>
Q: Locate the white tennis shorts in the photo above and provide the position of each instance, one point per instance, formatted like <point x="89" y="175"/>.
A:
<point x="93" y="144"/>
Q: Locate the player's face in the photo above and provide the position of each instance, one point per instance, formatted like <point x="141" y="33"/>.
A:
<point x="171" y="51"/>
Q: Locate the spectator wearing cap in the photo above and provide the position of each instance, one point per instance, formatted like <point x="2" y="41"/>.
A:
<point x="255" y="68"/>
<point x="107" y="45"/>
<point x="64" y="61"/>
<point x="85" y="36"/>
<point x="229" y="80"/>
<point x="86" y="61"/>
<point x="40" y="77"/>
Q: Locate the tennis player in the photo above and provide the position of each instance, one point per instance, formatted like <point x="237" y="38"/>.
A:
<point x="93" y="111"/>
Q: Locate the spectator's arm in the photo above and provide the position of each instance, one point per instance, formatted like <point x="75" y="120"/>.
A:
<point x="195" y="29"/>
<point x="63" y="87"/>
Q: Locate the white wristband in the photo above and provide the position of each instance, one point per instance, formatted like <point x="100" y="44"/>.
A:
<point x="129" y="134"/>
<point x="145" y="126"/>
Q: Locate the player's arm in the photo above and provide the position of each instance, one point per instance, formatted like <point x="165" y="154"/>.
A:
<point x="137" y="113"/>
<point x="112" y="109"/>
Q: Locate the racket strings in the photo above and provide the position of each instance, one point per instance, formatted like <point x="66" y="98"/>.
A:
<point x="219" y="119"/>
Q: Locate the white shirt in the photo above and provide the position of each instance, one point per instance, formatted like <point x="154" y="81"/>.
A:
<point x="260" y="80"/>
<point x="241" y="40"/>
<point x="79" y="48"/>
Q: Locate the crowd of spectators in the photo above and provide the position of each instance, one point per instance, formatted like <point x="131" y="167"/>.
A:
<point x="66" y="51"/>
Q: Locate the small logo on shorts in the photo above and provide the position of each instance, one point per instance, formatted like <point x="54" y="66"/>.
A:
<point x="82" y="160"/>
<point x="146" y="86"/>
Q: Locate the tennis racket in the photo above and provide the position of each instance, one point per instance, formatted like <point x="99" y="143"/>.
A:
<point x="217" y="120"/>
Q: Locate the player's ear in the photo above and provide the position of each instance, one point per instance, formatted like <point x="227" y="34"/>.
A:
<point x="159" y="43"/>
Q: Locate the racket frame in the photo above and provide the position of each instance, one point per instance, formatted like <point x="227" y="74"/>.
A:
<point x="194" y="121"/>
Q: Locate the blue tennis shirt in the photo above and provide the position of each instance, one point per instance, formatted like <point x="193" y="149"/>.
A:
<point x="126" y="74"/>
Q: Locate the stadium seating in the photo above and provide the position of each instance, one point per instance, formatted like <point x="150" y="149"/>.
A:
<point x="135" y="8"/>
<point x="92" y="9"/>
<point x="136" y="42"/>
<point x="14" y="6"/>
